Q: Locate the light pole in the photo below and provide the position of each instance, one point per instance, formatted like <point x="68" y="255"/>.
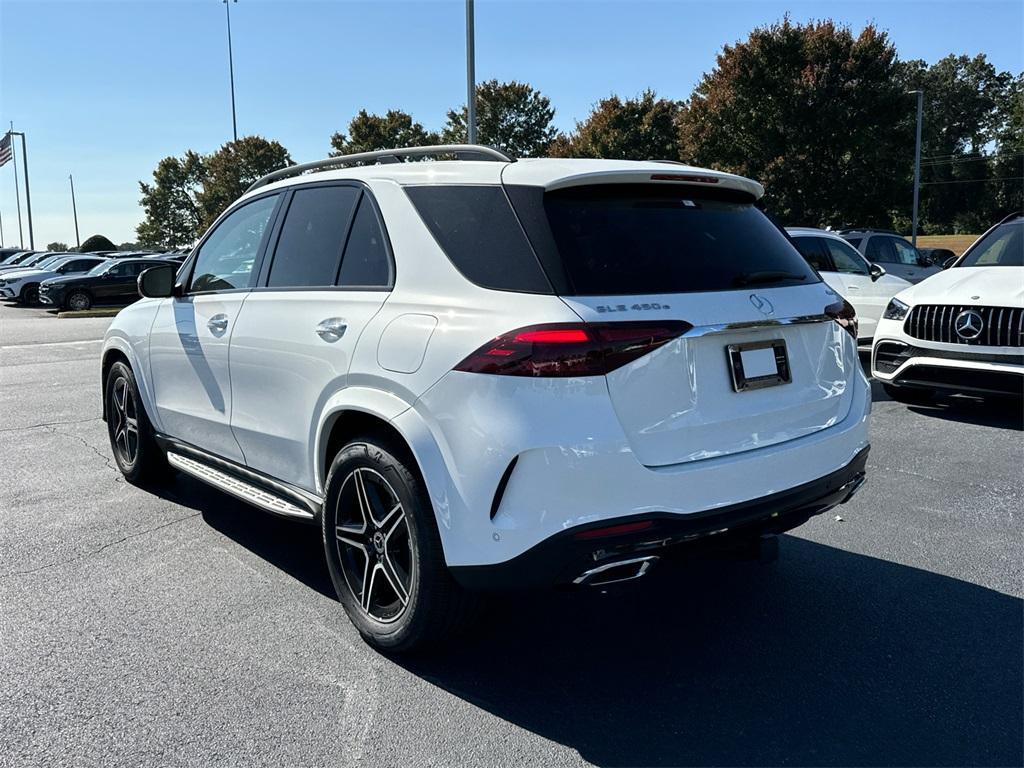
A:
<point x="231" y="69"/>
<point x="917" y="165"/>
<point x="470" y="75"/>
<point x="74" y="210"/>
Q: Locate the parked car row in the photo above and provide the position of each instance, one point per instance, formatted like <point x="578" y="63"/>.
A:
<point x="77" y="280"/>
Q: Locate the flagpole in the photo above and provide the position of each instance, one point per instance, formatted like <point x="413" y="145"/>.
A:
<point x="74" y="209"/>
<point x="1" y="229"/>
<point x="28" y="194"/>
<point x="17" y="187"/>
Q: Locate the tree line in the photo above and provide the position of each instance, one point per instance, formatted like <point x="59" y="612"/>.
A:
<point x="821" y="116"/>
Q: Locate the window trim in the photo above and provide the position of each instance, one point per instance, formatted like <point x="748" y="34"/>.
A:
<point x="184" y="278"/>
<point x="262" y="286"/>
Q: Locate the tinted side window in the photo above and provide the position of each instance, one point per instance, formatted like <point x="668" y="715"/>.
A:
<point x="366" y="261"/>
<point x="226" y="259"/>
<point x="845" y="257"/>
<point x="812" y="249"/>
<point x="881" y="249"/>
<point x="309" y="249"/>
<point x="79" y="265"/>
<point x="854" y="241"/>
<point x="476" y="228"/>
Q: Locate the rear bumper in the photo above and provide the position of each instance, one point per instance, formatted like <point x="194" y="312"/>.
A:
<point x="563" y="557"/>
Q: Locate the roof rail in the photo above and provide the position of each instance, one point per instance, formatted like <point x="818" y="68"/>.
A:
<point x="461" y="152"/>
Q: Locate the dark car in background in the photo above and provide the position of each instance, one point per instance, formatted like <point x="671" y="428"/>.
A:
<point x="892" y="251"/>
<point x="112" y="282"/>
<point x="939" y="257"/>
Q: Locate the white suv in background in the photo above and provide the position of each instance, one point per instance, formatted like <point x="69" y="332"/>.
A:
<point x="865" y="285"/>
<point x="962" y="330"/>
<point x="479" y="373"/>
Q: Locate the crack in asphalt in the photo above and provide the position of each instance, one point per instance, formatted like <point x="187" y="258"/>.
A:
<point x="118" y="478"/>
<point x="50" y="424"/>
<point x="95" y="552"/>
<point x="957" y="481"/>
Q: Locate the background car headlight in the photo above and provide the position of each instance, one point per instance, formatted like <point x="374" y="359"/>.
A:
<point x="896" y="310"/>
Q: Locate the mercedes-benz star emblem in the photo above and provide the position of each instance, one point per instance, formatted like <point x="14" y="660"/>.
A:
<point x="968" y="324"/>
<point x="762" y="305"/>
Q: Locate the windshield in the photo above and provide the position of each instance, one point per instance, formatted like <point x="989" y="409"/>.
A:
<point x="100" y="268"/>
<point x="1002" y="247"/>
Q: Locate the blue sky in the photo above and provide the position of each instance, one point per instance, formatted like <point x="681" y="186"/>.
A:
<point x="105" y="89"/>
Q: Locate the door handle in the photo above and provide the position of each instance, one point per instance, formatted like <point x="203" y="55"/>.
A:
<point x="218" y="324"/>
<point x="331" y="329"/>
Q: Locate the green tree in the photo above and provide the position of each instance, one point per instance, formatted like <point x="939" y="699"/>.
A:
<point x="190" y="192"/>
<point x="965" y="105"/>
<point x="513" y="116"/>
<point x="1007" y="184"/>
<point x="57" y="246"/>
<point x="173" y="214"/>
<point x="368" y="133"/>
<point x="97" y="243"/>
<point x="232" y="169"/>
<point x="814" y="113"/>
<point x="643" y="128"/>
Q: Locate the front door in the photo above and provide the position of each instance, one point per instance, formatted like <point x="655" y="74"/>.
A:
<point x="189" y="340"/>
<point x="293" y="343"/>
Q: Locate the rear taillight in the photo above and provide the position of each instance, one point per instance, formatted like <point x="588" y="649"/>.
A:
<point x="844" y="314"/>
<point x="570" y="349"/>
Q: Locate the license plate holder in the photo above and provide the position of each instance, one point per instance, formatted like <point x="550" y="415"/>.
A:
<point x="750" y="364"/>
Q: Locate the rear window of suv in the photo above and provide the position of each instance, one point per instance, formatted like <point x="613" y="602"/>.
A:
<point x="645" y="239"/>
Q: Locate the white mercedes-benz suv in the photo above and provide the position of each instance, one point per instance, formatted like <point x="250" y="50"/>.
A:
<point x="961" y="331"/>
<point x="479" y="374"/>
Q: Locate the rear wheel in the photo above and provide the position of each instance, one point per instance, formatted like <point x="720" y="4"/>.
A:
<point x="131" y="435"/>
<point x="909" y="395"/>
<point x="78" y="301"/>
<point x="384" y="552"/>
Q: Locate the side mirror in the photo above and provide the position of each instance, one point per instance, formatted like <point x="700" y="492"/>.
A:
<point x="949" y="262"/>
<point x="157" y="282"/>
<point x="876" y="271"/>
<point x="923" y="261"/>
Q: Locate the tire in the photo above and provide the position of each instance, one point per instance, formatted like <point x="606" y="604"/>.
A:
<point x="135" y="450"/>
<point x="78" y="301"/>
<point x="29" y="295"/>
<point x="909" y="395"/>
<point x="392" y="557"/>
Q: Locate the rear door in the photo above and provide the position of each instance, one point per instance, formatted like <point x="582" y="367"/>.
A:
<point x="762" y="365"/>
<point x="188" y="344"/>
<point x="329" y="274"/>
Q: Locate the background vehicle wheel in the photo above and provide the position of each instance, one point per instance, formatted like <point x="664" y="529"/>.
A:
<point x="78" y="301"/>
<point x="384" y="552"/>
<point x="30" y="295"/>
<point x="131" y="435"/>
<point x="909" y="395"/>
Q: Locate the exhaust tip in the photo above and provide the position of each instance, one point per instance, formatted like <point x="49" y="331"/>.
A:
<point x="613" y="573"/>
<point x="854" y="486"/>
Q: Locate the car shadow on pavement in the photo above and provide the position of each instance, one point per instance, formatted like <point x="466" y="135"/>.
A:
<point x="999" y="413"/>
<point x="292" y="546"/>
<point x="824" y="658"/>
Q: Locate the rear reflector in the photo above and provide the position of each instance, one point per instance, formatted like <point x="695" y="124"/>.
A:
<point x="614" y="530"/>
<point x="571" y="349"/>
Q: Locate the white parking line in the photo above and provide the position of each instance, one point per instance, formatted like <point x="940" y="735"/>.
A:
<point x="50" y="344"/>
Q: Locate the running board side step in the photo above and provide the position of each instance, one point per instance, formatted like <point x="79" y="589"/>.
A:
<point x="229" y="483"/>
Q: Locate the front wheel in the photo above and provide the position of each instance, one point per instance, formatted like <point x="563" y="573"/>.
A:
<point x="384" y="552"/>
<point x="131" y="435"/>
<point x="79" y="301"/>
<point x="30" y="295"/>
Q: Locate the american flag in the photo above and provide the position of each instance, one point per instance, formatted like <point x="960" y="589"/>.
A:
<point x="6" y="151"/>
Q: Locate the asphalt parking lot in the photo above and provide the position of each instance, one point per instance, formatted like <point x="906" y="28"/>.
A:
<point x="176" y="626"/>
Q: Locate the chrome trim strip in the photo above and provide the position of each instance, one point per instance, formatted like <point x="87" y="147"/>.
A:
<point x="644" y="563"/>
<point x="711" y="330"/>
